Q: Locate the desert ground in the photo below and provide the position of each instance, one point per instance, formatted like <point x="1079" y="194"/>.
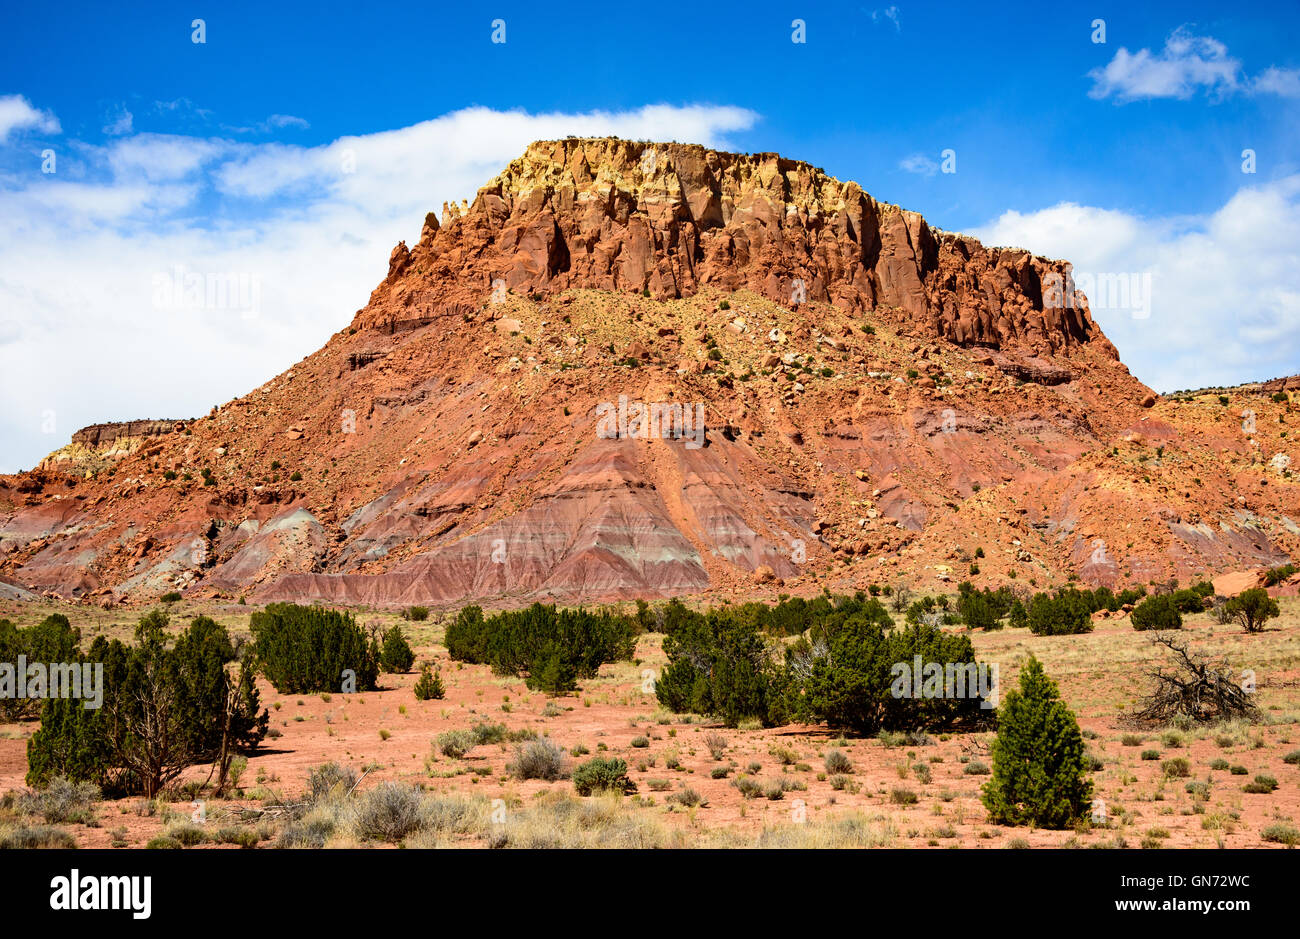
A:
<point x="903" y="790"/>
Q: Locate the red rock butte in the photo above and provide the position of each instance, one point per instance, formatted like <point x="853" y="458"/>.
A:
<point x="883" y="402"/>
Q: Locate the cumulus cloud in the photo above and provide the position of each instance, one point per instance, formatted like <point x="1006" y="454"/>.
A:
<point x="17" y="114"/>
<point x="1283" y="82"/>
<point x="94" y="325"/>
<point x="1187" y="64"/>
<point x="1224" y="288"/>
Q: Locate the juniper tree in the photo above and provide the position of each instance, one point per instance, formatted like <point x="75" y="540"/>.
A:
<point x="1038" y="759"/>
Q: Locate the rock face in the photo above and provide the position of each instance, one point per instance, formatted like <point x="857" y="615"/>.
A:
<point x="98" y="434"/>
<point x="672" y="218"/>
<point x="641" y="370"/>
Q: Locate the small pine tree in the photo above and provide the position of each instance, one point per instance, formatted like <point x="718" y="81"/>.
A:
<point x="429" y="686"/>
<point x="1038" y="759"/>
<point x="396" y="655"/>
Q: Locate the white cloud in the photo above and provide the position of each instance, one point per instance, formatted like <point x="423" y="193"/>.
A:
<point x="17" y="113"/>
<point x="81" y="337"/>
<point x="1186" y="65"/>
<point x="920" y="164"/>
<point x="1225" y="287"/>
<point x="1283" y="82"/>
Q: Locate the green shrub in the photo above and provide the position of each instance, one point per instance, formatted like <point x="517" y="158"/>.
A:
<point x="429" y="686"/>
<point x="1158" y="612"/>
<point x="1176" y="768"/>
<point x="549" y="648"/>
<point x="416" y="614"/>
<point x="396" y="655"/>
<point x="853" y="671"/>
<point x="1251" y="608"/>
<point x="306" y="649"/>
<point x="1038" y="766"/>
<point x="1262" y="783"/>
<point x="168" y="703"/>
<point x="1067" y="613"/>
<point x="172" y="596"/>
<point x="602" y="775"/>
<point x="720" y="664"/>
<point x="1276" y="575"/>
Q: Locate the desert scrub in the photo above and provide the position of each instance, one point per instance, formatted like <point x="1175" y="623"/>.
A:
<point x="717" y="745"/>
<point x="1281" y="834"/>
<point x="562" y="820"/>
<point x="455" y="744"/>
<point x="837" y="762"/>
<point x="687" y="798"/>
<point x="330" y="780"/>
<point x="35" y="836"/>
<point x="61" y="801"/>
<point x="748" y="787"/>
<point x="847" y="831"/>
<point x="390" y="812"/>
<point x="538" y="759"/>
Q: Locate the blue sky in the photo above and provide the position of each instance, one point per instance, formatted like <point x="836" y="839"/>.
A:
<point x="1124" y="156"/>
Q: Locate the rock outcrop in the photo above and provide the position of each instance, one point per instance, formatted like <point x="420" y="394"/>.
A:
<point x="641" y="370"/>
<point x="672" y="218"/>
